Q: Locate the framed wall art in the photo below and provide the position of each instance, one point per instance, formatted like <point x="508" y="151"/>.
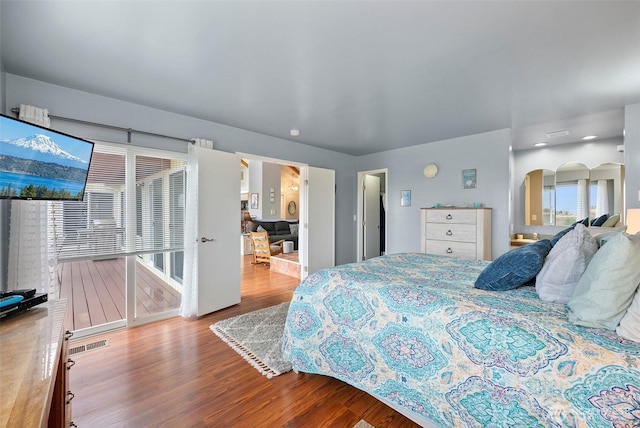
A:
<point x="469" y="178"/>
<point x="405" y="198"/>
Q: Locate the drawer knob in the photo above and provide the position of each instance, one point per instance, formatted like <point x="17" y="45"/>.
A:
<point x="449" y="251"/>
<point x="449" y="217"/>
<point x="449" y="233"/>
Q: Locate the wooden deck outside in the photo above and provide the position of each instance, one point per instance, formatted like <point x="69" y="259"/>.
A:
<point x="96" y="291"/>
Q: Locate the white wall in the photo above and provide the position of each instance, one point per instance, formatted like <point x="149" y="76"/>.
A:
<point x="271" y="178"/>
<point x="591" y="154"/>
<point x="76" y="104"/>
<point x="488" y="153"/>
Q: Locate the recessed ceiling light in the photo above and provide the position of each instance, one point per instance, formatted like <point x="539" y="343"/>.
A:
<point x="589" y="137"/>
<point x="557" y="134"/>
<point x="294" y="132"/>
<point x="540" y="144"/>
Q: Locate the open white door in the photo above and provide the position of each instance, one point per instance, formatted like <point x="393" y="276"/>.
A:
<point x="218" y="229"/>
<point x="318" y="219"/>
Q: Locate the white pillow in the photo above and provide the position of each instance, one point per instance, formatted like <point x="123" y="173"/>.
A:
<point x="564" y="265"/>
<point x="602" y="235"/>
<point x="607" y="287"/>
<point x="629" y="327"/>
<point x="261" y="229"/>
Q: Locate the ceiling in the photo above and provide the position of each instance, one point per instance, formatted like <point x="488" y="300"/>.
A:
<point x="356" y="77"/>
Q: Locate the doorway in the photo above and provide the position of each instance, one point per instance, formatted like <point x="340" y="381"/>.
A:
<point x="314" y="204"/>
<point x="372" y="214"/>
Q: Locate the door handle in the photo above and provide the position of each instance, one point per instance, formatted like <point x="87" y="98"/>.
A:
<point x="203" y="239"/>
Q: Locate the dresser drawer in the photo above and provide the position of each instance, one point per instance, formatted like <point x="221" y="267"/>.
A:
<point x="453" y="249"/>
<point x="451" y="216"/>
<point x="452" y="232"/>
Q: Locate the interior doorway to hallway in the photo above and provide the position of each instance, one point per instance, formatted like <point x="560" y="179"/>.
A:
<point x="372" y="213"/>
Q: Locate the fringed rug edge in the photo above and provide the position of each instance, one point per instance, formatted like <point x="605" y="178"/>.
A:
<point x="247" y="355"/>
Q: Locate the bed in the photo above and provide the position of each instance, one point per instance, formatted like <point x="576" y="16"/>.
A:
<point x="411" y="330"/>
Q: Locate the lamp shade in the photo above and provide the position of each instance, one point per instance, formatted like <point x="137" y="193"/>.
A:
<point x="633" y="221"/>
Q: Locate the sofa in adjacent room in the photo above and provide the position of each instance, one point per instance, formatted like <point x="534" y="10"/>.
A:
<point x="277" y="230"/>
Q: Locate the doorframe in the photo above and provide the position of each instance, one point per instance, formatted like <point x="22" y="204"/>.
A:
<point x="302" y="200"/>
<point x="360" y="213"/>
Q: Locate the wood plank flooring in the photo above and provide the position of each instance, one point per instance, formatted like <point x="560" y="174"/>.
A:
<point x="177" y="373"/>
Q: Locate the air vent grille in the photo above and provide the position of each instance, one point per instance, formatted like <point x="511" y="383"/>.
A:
<point x="88" y="347"/>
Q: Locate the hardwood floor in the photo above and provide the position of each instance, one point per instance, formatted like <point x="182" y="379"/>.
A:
<point x="177" y="373"/>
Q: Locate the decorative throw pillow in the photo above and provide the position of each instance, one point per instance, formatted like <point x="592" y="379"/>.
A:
<point x="611" y="221"/>
<point x="599" y="220"/>
<point x="514" y="268"/>
<point x="608" y="285"/>
<point x="629" y="327"/>
<point x="564" y="265"/>
<point x="603" y="235"/>
<point x="293" y="228"/>
<point x="261" y="229"/>
<point x="560" y="234"/>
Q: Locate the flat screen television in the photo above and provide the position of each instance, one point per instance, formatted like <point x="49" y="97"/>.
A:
<point x="40" y="163"/>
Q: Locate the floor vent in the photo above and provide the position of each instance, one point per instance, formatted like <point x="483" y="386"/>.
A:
<point x="88" y="347"/>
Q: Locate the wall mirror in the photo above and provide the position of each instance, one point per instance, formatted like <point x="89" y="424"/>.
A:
<point x="606" y="190"/>
<point x="573" y="192"/>
<point x="540" y="197"/>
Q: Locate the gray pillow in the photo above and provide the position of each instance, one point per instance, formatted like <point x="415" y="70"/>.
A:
<point x="565" y="264"/>
<point x="293" y="228"/>
<point x="608" y="285"/>
<point x="559" y="235"/>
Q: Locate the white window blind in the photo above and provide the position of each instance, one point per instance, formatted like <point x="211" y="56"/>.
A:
<point x="133" y="204"/>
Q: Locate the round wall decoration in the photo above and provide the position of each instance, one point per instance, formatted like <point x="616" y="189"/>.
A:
<point x="430" y="170"/>
<point x="292" y="207"/>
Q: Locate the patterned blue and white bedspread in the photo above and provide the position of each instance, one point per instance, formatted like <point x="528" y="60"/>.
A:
<point x="412" y="330"/>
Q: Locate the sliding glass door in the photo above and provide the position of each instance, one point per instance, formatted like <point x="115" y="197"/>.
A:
<point x="120" y="251"/>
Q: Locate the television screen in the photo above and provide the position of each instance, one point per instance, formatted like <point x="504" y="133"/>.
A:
<point x="39" y="163"/>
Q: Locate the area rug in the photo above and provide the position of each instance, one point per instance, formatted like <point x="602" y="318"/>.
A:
<point x="257" y="337"/>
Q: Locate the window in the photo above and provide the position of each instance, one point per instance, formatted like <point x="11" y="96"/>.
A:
<point x="134" y="204"/>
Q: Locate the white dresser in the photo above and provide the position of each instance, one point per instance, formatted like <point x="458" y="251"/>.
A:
<point x="456" y="232"/>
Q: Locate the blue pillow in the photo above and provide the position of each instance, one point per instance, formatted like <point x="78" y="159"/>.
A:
<point x="515" y="268"/>
<point x="600" y="220"/>
<point x="560" y="234"/>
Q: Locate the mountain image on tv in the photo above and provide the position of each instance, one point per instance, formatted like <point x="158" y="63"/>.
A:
<point x="44" y="150"/>
<point x="36" y="163"/>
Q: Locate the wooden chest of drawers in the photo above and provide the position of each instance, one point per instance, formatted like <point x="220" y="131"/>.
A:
<point x="456" y="232"/>
<point x="34" y="374"/>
